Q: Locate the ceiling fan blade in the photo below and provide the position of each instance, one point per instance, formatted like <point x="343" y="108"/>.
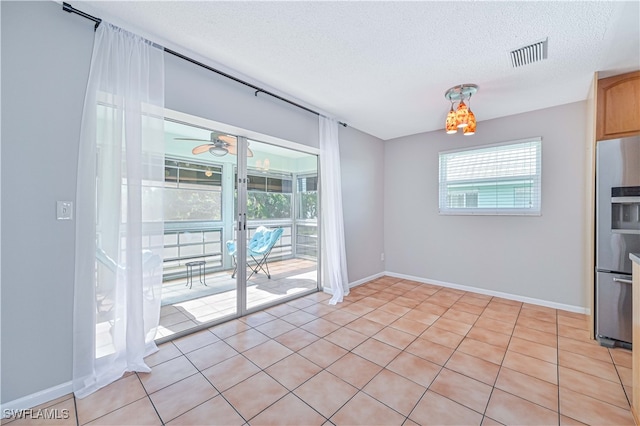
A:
<point x="233" y="150"/>
<point x="228" y="139"/>
<point x="201" y="148"/>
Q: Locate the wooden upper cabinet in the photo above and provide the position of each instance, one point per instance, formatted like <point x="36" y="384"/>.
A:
<point x="618" y="112"/>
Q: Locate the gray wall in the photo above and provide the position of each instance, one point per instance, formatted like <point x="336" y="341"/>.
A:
<point x="362" y="164"/>
<point x="194" y="90"/>
<point x="539" y="257"/>
<point x="45" y="61"/>
<point x="45" y="65"/>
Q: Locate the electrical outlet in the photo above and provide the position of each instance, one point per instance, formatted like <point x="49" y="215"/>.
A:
<point x="64" y="210"/>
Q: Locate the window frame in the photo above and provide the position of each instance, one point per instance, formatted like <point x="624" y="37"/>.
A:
<point x="186" y="164"/>
<point x="535" y="210"/>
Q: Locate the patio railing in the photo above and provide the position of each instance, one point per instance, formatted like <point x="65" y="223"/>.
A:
<point x="185" y="242"/>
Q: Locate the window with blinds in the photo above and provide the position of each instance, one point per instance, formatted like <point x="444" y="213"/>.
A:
<point x="501" y="179"/>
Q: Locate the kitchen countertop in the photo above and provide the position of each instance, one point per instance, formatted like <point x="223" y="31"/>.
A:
<point x="635" y="257"/>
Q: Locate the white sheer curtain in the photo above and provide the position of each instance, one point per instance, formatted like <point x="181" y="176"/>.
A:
<point x="119" y="210"/>
<point x="334" y="256"/>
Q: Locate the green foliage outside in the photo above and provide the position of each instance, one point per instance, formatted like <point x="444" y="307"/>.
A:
<point x="268" y="205"/>
<point x="308" y="205"/>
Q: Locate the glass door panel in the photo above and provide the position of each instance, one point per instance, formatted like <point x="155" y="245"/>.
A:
<point x="282" y="224"/>
<point x="199" y="283"/>
<point x="241" y="225"/>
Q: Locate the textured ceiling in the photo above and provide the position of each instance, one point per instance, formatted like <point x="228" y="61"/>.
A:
<point x="383" y="67"/>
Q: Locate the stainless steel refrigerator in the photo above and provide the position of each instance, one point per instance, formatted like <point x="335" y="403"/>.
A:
<point x="617" y="235"/>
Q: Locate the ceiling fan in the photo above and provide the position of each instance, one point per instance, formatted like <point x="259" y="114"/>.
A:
<point x="219" y="145"/>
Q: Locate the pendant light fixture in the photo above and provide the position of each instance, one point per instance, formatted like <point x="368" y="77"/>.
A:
<point x="451" y="126"/>
<point x="462" y="117"/>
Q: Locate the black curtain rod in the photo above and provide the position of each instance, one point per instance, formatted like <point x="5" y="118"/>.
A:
<point x="68" y="8"/>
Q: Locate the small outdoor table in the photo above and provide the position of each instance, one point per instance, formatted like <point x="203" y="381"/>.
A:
<point x="200" y="264"/>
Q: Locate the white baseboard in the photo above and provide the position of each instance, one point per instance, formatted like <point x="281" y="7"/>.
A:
<point x="38" y="398"/>
<point x="358" y="282"/>
<point x="533" y="301"/>
<point x="366" y="280"/>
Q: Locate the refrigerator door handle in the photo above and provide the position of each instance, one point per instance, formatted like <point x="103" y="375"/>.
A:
<point x="622" y="280"/>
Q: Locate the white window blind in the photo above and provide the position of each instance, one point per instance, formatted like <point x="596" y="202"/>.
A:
<point x="500" y="179"/>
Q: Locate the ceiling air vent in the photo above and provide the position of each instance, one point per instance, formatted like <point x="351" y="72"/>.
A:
<point x="529" y="54"/>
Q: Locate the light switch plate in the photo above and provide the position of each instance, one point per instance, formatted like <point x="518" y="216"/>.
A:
<point x="64" y="210"/>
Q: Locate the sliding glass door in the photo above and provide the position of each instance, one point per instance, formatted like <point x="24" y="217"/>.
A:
<point x="200" y="167"/>
<point x="282" y="224"/>
<point x="241" y="225"/>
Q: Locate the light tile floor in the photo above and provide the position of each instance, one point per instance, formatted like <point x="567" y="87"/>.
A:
<point x="395" y="352"/>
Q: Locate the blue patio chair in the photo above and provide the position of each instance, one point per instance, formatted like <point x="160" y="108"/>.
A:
<point x="258" y="249"/>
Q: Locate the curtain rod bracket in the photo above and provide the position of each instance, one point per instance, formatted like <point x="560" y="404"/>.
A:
<point x="70" y="9"/>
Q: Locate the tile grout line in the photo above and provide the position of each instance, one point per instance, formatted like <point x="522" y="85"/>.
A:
<point x="615" y="366"/>
<point x="239" y="354"/>
<point x="427" y="388"/>
<point x="149" y="398"/>
<point x="75" y="406"/>
<point x="382" y="369"/>
<point x="341" y="357"/>
<point x="441" y="367"/>
<point x="444" y="364"/>
<point x="263" y="370"/>
<point x="456" y="349"/>
<point x="557" y="370"/>
<point x="184" y="354"/>
<point x="484" y="412"/>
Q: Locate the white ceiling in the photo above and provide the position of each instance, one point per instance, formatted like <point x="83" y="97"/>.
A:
<point x="383" y="67"/>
